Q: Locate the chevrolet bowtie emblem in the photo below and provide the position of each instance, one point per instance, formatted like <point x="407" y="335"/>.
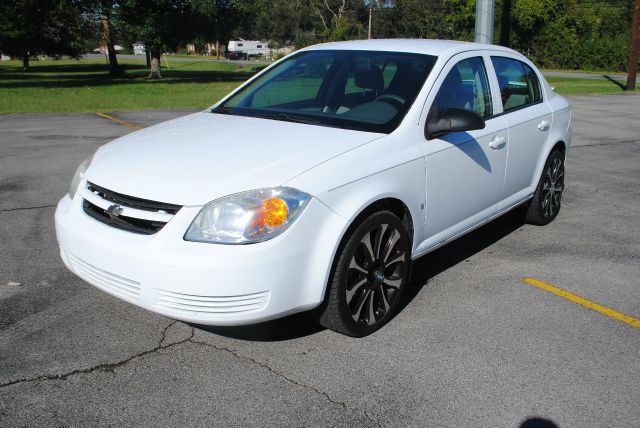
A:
<point x="114" y="211"/>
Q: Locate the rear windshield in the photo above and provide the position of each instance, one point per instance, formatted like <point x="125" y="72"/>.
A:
<point x="362" y="90"/>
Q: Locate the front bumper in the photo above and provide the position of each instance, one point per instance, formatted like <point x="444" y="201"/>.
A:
<point x="203" y="283"/>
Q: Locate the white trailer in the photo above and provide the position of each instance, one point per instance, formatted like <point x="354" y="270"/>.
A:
<point x="248" y="47"/>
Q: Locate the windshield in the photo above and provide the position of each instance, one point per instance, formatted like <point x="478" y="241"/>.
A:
<point x="362" y="90"/>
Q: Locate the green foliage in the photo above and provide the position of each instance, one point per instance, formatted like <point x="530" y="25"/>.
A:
<point x="33" y="27"/>
<point x="588" y="34"/>
<point x="211" y="20"/>
<point x="571" y="34"/>
<point x="604" y="53"/>
<point x="345" y="28"/>
<point x="578" y="34"/>
<point x="459" y="19"/>
<point x="161" y="24"/>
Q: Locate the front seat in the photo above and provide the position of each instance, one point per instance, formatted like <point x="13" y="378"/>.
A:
<point x="370" y="77"/>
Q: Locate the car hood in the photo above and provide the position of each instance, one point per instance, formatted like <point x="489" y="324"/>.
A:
<point x="201" y="157"/>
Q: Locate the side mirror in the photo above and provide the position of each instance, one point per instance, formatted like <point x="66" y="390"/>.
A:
<point x="452" y="120"/>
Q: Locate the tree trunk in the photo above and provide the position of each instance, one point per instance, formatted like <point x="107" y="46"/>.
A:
<point x="25" y="61"/>
<point x="114" y="68"/>
<point x="147" y="55"/>
<point x="154" y="73"/>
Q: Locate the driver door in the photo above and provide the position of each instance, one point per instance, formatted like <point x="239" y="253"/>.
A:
<point x="464" y="170"/>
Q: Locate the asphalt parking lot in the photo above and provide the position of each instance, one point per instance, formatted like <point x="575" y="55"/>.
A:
<point x="474" y="345"/>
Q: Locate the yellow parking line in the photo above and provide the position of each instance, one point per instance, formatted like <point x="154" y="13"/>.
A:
<point x="584" y="302"/>
<point x="121" y="122"/>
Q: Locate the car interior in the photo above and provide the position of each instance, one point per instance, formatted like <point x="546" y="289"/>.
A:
<point x="374" y="89"/>
<point x="518" y="85"/>
<point x="470" y="92"/>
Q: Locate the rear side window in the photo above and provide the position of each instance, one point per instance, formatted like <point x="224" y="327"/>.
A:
<point x="466" y="87"/>
<point x="519" y="85"/>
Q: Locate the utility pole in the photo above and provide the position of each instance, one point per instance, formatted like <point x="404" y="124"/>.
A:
<point x="484" y="21"/>
<point x="633" y="55"/>
<point x="370" y="11"/>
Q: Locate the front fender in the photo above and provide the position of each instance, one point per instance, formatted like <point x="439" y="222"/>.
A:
<point x="391" y="167"/>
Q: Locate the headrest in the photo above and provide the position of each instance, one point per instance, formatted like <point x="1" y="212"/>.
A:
<point x="369" y="77"/>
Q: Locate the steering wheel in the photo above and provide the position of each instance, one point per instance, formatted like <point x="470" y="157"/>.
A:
<point x="395" y="100"/>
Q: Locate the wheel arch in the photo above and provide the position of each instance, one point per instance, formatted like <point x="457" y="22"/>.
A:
<point x="390" y="203"/>
<point x="559" y="145"/>
<point x="393" y="204"/>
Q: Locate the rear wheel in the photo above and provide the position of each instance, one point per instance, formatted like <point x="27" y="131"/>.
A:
<point x="545" y="205"/>
<point x="369" y="276"/>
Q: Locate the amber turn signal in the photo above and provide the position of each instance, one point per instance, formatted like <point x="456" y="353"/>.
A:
<point x="274" y="212"/>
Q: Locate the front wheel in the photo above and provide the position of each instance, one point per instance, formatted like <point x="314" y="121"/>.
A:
<point x="369" y="276"/>
<point x="545" y="205"/>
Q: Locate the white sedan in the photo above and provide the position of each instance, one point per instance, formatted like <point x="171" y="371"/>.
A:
<point x="316" y="183"/>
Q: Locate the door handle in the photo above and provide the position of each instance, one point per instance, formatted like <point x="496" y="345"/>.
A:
<point x="544" y="125"/>
<point x="497" y="142"/>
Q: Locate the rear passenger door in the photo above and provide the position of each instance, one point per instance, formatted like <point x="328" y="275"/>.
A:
<point x="529" y="120"/>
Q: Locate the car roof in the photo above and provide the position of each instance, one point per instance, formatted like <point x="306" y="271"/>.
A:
<point x="422" y="46"/>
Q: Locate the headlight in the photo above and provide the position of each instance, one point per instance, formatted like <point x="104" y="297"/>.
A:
<point x="79" y="175"/>
<point x="247" y="217"/>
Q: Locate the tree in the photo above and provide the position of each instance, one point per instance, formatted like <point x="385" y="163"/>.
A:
<point x="32" y="27"/>
<point x="108" y="34"/>
<point x="213" y="20"/>
<point x="161" y="24"/>
<point x="570" y="34"/>
<point x="338" y="20"/>
<point x="101" y="16"/>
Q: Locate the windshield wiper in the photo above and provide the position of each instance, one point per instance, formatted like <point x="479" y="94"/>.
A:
<point x="221" y="110"/>
<point x="298" y="119"/>
<point x="289" y="118"/>
<point x="277" y="115"/>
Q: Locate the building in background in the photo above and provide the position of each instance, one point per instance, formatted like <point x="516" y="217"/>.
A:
<point x="138" y="48"/>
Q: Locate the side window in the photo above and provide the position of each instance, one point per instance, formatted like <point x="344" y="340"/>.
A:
<point x="466" y="87"/>
<point x="519" y="85"/>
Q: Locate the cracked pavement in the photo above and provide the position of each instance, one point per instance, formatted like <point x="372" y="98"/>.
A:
<point x="473" y="345"/>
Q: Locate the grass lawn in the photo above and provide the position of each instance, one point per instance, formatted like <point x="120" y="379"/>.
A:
<point x="84" y="85"/>
<point x="586" y="86"/>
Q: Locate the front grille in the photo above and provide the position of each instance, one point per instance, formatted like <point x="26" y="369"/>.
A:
<point x="97" y="202"/>
<point x="132" y="202"/>
<point x="130" y="224"/>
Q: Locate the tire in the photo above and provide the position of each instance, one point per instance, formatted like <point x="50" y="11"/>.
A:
<point x="546" y="201"/>
<point x="369" y="275"/>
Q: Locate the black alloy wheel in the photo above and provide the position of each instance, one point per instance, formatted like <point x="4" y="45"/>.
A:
<point x="369" y="277"/>
<point x="545" y="205"/>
